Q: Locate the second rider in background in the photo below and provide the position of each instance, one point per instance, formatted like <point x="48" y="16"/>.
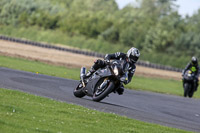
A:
<point x="194" y="67"/>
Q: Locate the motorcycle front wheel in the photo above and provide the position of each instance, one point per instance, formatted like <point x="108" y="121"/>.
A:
<point x="102" y="90"/>
<point x="190" y="93"/>
<point x="186" y="89"/>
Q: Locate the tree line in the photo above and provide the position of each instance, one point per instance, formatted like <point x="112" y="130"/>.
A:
<point x="153" y="26"/>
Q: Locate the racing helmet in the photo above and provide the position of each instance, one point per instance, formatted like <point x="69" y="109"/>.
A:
<point x="194" y="60"/>
<point x="133" y="54"/>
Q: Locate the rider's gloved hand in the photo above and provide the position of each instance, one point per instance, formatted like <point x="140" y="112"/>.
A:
<point x="126" y="82"/>
<point x="107" y="61"/>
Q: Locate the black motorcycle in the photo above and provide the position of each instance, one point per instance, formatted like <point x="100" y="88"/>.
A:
<point x="102" y="82"/>
<point x="189" y="83"/>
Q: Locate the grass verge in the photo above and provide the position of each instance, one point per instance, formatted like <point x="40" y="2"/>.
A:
<point x="139" y="83"/>
<point x="22" y="112"/>
<point x="58" y="37"/>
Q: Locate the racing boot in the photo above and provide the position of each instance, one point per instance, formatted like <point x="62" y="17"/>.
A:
<point x="120" y="90"/>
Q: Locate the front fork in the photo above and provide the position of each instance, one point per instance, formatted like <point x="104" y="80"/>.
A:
<point x="105" y="82"/>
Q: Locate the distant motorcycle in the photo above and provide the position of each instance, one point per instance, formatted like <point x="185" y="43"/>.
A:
<point x="189" y="81"/>
<point x="102" y="82"/>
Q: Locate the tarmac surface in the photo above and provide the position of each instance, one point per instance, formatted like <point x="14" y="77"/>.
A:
<point x="167" y="110"/>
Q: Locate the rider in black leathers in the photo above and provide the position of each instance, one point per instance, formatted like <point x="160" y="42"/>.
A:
<point x="194" y="67"/>
<point x="132" y="56"/>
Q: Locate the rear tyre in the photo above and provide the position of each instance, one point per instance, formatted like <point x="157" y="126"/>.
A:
<point x="78" y="91"/>
<point x="101" y="93"/>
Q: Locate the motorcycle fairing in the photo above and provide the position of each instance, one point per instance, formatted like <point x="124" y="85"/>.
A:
<point x="101" y="73"/>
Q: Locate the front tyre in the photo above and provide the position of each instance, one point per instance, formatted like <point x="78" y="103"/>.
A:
<point x="78" y="91"/>
<point x="186" y="89"/>
<point x="191" y="92"/>
<point x="101" y="93"/>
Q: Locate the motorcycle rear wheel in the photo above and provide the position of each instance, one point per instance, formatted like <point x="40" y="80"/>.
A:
<point x="78" y="91"/>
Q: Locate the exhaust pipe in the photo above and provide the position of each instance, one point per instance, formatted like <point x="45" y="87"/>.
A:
<point x="83" y="71"/>
<point x="82" y="75"/>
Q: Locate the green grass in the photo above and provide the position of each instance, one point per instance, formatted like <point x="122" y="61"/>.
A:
<point x="38" y="67"/>
<point x="165" y="86"/>
<point x="22" y="112"/>
<point x="58" y="37"/>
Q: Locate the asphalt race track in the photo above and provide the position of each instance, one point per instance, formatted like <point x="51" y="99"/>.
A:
<point x="172" y="111"/>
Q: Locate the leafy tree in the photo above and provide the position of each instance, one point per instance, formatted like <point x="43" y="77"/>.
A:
<point x="164" y="33"/>
<point x="153" y="26"/>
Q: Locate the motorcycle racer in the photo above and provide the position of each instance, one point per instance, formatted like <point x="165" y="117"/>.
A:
<point x="131" y="57"/>
<point x="194" y="67"/>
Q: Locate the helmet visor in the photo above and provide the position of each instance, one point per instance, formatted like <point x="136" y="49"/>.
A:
<point x="133" y="58"/>
<point x="194" y="62"/>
